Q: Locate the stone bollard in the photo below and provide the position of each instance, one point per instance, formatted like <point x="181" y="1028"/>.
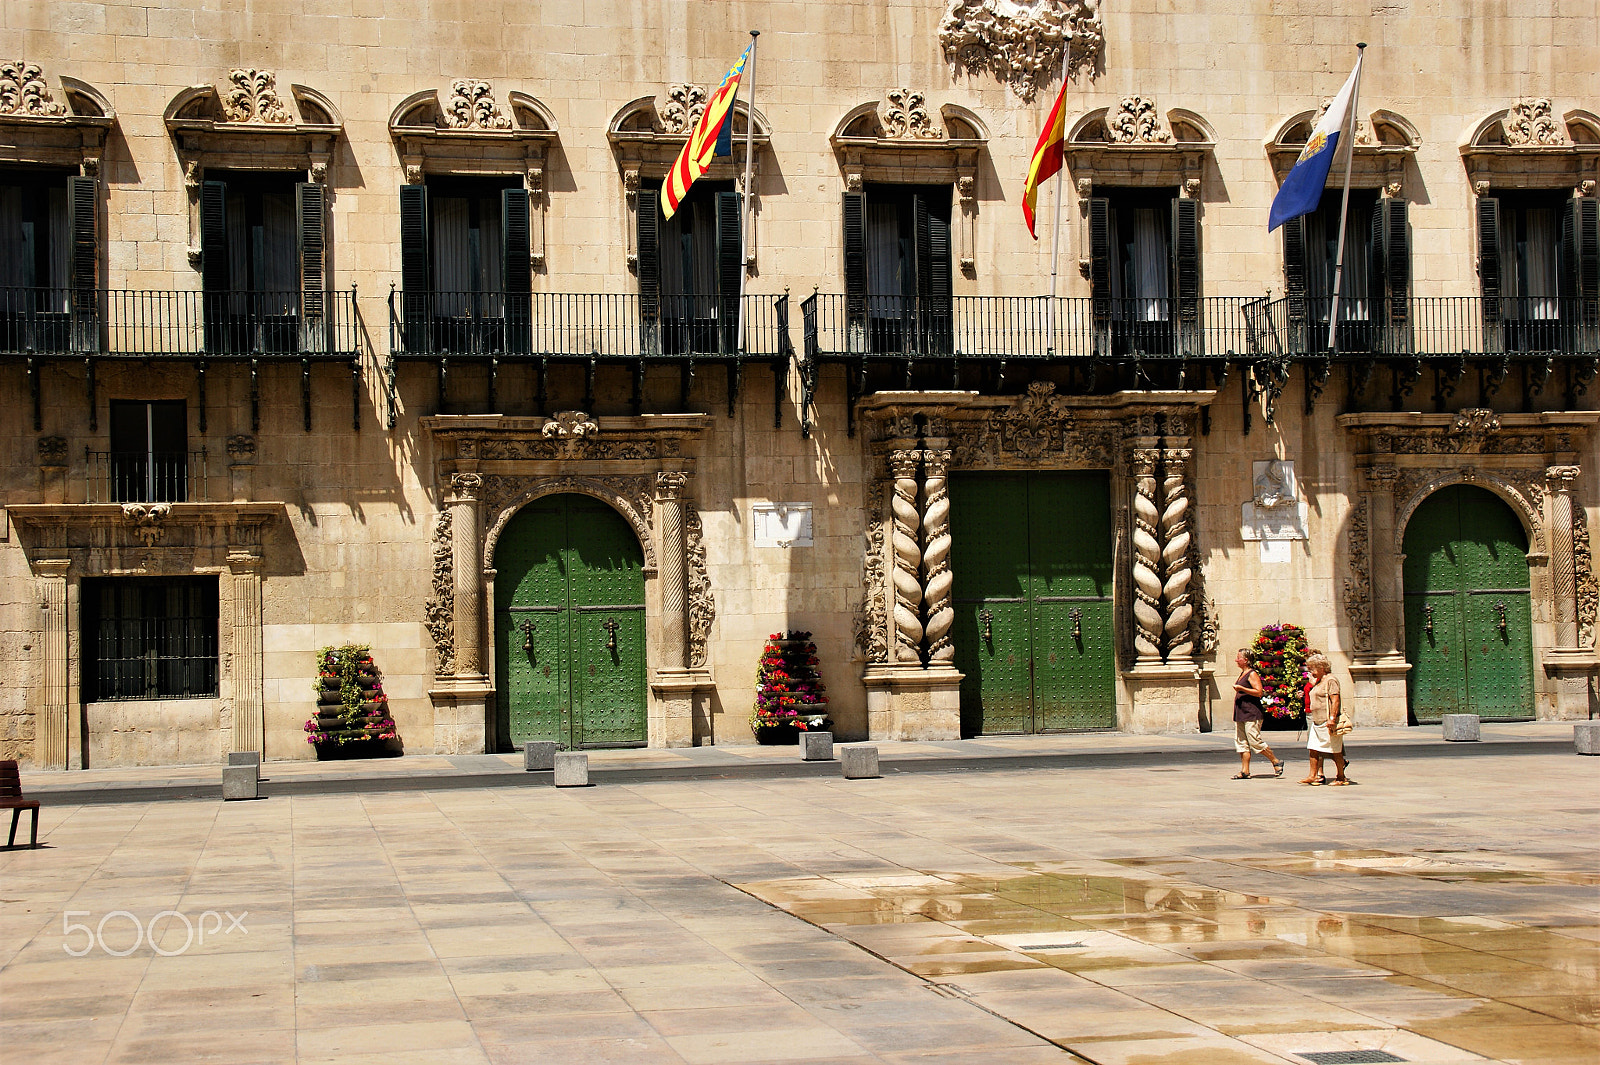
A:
<point x="240" y="782"/>
<point x="816" y="746"/>
<point x="1586" y="737"/>
<point x="244" y="758"/>
<point x="1461" y="728"/>
<point x="572" y="770"/>
<point x="860" y="762"/>
<point x="539" y="754"/>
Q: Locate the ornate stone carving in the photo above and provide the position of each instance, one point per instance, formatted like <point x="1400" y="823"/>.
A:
<point x="1136" y="121"/>
<point x="906" y="117"/>
<point x="570" y="424"/>
<point x="679" y="108"/>
<point x="631" y="496"/>
<point x="1588" y="589"/>
<point x="1530" y="122"/>
<point x="907" y="557"/>
<point x="147" y="518"/>
<point x="471" y="106"/>
<point x="439" y="611"/>
<point x="1208" y="624"/>
<point x="1523" y="489"/>
<point x="670" y="485"/>
<point x="872" y="622"/>
<point x="853" y="181"/>
<point x="1023" y="42"/>
<point x="254" y="98"/>
<point x="936" y="557"/>
<point x="1149" y="625"/>
<point x="413" y="173"/>
<point x="1473" y="426"/>
<point x="702" y="606"/>
<point x="1176" y="571"/>
<point x="52" y="451"/>
<point x="1363" y="133"/>
<point x="23" y="91"/>
<point x="1358" y="586"/>
<point x="465" y="485"/>
<point x="241" y="449"/>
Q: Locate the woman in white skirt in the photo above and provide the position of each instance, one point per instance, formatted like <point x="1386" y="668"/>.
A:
<point x="1323" y="707"/>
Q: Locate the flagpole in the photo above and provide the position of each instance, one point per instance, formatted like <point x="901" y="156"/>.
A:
<point x="1344" y="204"/>
<point x="1055" y="229"/>
<point x="744" y="205"/>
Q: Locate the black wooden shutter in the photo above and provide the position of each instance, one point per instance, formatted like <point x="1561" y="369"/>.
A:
<point x="215" y="277"/>
<point x="1295" y="278"/>
<point x="1397" y="258"/>
<point x="1186" y="271"/>
<point x="83" y="201"/>
<point x="1100" y="257"/>
<point x="517" y="267"/>
<point x="1580" y="247"/>
<point x="855" y="268"/>
<point x="310" y="201"/>
<point x="935" y="293"/>
<point x="1489" y="256"/>
<point x="414" y="294"/>
<point x="730" y="264"/>
<point x="648" y="230"/>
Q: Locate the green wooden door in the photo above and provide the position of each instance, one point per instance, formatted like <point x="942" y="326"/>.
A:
<point x="1033" y="634"/>
<point x="1468" y="608"/>
<point x="569" y="626"/>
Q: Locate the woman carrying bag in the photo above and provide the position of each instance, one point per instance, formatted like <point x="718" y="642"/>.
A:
<point x="1326" y="721"/>
<point x="1247" y="718"/>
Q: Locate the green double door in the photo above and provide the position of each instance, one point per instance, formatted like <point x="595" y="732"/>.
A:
<point x="1468" y="621"/>
<point x="1033" y="633"/>
<point x="569" y="626"/>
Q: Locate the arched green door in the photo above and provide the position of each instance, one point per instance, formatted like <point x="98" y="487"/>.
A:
<point x="1468" y="619"/>
<point x="569" y="626"/>
<point x="1031" y="561"/>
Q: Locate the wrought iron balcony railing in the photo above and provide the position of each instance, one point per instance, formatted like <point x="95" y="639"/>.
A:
<point x="145" y="323"/>
<point x="145" y="476"/>
<point x="584" y="325"/>
<point x="1025" y="327"/>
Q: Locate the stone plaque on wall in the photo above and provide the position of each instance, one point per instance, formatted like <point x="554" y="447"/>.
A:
<point x="1276" y="516"/>
<point x="781" y="524"/>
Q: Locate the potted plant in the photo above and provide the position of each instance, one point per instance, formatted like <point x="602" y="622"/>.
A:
<point x="352" y="716"/>
<point x="789" y="690"/>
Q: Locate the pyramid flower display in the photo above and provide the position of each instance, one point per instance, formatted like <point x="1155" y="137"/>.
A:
<point x="1279" y="655"/>
<point x="789" y="691"/>
<point x="351" y="704"/>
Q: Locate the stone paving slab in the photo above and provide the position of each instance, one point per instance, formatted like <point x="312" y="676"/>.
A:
<point x="1113" y="911"/>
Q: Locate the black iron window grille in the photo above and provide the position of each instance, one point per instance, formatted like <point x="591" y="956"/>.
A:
<point x="150" y="638"/>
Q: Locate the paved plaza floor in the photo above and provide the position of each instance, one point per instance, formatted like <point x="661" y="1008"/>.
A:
<point x="1112" y="899"/>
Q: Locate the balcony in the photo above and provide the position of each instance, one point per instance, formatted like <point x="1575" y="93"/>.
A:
<point x="145" y="477"/>
<point x="580" y="326"/>
<point x="172" y="324"/>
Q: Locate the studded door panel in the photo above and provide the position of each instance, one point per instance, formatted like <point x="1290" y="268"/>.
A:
<point x="530" y="617"/>
<point x="1069" y="549"/>
<point x="606" y="583"/>
<point x="992" y="631"/>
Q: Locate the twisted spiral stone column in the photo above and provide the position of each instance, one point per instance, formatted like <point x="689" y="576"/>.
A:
<point x="1149" y="625"/>
<point x="907" y="557"/>
<point x="937" y="578"/>
<point x="1176" y="601"/>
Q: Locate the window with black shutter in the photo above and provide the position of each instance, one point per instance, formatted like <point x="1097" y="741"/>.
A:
<point x="464" y="254"/>
<point x="1525" y="273"/>
<point x="898" y="268"/>
<point x="1144" y="268"/>
<point x="1310" y="261"/>
<point x="41" y="262"/>
<point x="149" y="638"/>
<point x="263" y="246"/>
<point x="689" y="268"/>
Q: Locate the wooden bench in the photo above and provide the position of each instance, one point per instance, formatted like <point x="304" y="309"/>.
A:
<point x="11" y="799"/>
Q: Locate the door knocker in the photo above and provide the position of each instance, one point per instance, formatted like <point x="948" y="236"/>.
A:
<point x="528" y="628"/>
<point x="610" y="625"/>
<point x="1077" y="624"/>
<point x="988" y="625"/>
<point x="1500" y="614"/>
<point x="1427" y="614"/>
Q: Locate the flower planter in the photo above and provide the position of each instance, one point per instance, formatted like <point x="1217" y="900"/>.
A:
<point x="777" y="735"/>
<point x="331" y="752"/>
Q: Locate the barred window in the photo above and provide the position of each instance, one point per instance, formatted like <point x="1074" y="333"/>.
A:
<point x="149" y="638"/>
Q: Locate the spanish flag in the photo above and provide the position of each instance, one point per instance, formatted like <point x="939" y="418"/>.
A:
<point x="712" y="135"/>
<point x="1047" y="156"/>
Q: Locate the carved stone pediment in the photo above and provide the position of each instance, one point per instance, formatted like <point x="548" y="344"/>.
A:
<point x="1023" y="43"/>
<point x="50" y="125"/>
<point x="167" y="538"/>
<point x="1135" y="143"/>
<point x="249" y="122"/>
<point x="1472" y="431"/>
<point x="1533" y="142"/>
<point x="1385" y="140"/>
<point x="467" y="128"/>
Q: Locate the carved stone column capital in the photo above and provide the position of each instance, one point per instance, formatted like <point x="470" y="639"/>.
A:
<point x="936" y="461"/>
<point x="464" y="487"/>
<point x="905" y="463"/>
<point x="670" y="485"/>
<point x="1561" y="478"/>
<point x="1382" y="478"/>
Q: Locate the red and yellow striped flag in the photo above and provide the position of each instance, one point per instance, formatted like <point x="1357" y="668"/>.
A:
<point x="1047" y="156"/>
<point x="695" y="159"/>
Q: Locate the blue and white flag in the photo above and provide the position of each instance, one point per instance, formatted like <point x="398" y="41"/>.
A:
<point x="1302" y="189"/>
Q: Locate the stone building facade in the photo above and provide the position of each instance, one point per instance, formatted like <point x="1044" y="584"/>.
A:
<point x="355" y="323"/>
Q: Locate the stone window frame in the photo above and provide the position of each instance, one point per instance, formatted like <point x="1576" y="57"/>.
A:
<point x="1533" y="463"/>
<point x="1385" y="150"/>
<point x="466" y="133"/>
<point x="251" y="126"/>
<point x="489" y="468"/>
<point x="66" y="543"/>
<point x="895" y="141"/>
<point x="39" y="130"/>
<point x="1563" y="152"/>
<point x="648" y="134"/>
